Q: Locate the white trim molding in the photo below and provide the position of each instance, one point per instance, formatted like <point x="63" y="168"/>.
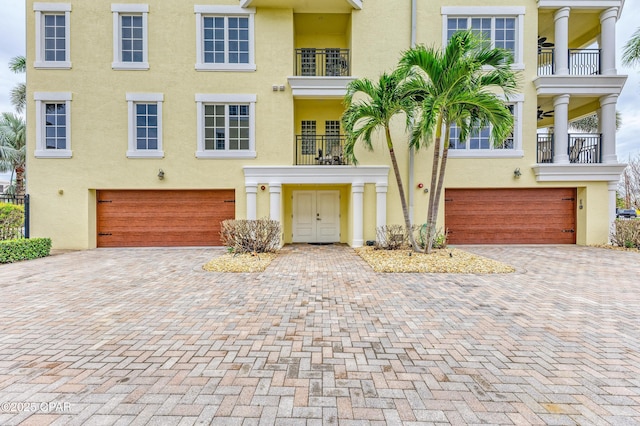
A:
<point x="118" y="10"/>
<point x="356" y="4"/>
<point x="202" y="11"/>
<point x="40" y="10"/>
<point x="225" y="99"/>
<point x="578" y="173"/>
<point x="580" y="85"/>
<point x="41" y="99"/>
<point x="319" y="87"/>
<point x="132" y="100"/>
<point x="516" y="12"/>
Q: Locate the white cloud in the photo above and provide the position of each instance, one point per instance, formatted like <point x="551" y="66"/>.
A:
<point x="12" y="43"/>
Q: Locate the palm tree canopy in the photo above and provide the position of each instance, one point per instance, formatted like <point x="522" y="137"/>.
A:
<point x="12" y="142"/>
<point x="631" y="51"/>
<point x="458" y="85"/>
<point x="18" y="64"/>
<point x="371" y="106"/>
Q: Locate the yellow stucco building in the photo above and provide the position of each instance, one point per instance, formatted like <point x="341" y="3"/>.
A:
<point x="149" y="123"/>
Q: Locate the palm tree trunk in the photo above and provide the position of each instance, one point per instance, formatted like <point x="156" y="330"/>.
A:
<point x="443" y="166"/>
<point x="431" y="221"/>
<point x="20" y="191"/>
<point x="403" y="200"/>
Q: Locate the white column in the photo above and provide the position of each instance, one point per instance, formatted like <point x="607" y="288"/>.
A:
<point x="561" y="18"/>
<point x="357" y="200"/>
<point x="608" y="128"/>
<point x="608" y="20"/>
<point x="252" y="206"/>
<point x="275" y="190"/>
<point x="561" y="129"/>
<point x="381" y="204"/>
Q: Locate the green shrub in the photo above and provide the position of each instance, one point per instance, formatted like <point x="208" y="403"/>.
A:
<point x="439" y="239"/>
<point x="24" y="249"/>
<point x="392" y="237"/>
<point x="626" y="233"/>
<point x="11" y="221"/>
<point x="251" y="236"/>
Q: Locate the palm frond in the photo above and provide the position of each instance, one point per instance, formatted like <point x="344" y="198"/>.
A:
<point x="631" y="50"/>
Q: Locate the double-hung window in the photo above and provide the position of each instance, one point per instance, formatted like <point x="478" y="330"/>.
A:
<point x="53" y="124"/>
<point x="226" y="126"/>
<point x="479" y="142"/>
<point x="225" y="39"/>
<point x="145" y="125"/>
<point x="130" y="41"/>
<point x="52" y="35"/>
<point x="498" y="26"/>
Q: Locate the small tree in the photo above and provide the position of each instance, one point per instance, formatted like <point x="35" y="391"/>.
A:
<point x="18" y="95"/>
<point x="379" y="103"/>
<point x="458" y="86"/>
<point x="13" y="148"/>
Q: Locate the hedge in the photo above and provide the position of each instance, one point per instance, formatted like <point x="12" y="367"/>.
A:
<point x="24" y="249"/>
<point x="11" y="221"/>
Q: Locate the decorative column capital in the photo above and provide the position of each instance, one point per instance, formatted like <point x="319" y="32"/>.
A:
<point x="608" y="100"/>
<point x="275" y="187"/>
<point x="612" y="12"/>
<point x="381" y="187"/>
<point x="563" y="12"/>
<point x="357" y="188"/>
<point x="561" y="100"/>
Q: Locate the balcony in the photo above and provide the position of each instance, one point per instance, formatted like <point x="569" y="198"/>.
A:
<point x="312" y="62"/>
<point x="582" y="148"/>
<point x="314" y="150"/>
<point x="582" y="62"/>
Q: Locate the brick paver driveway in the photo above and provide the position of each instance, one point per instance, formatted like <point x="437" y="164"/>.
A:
<point x="141" y="336"/>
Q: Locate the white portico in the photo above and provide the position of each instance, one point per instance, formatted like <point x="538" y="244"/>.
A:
<point x="275" y="177"/>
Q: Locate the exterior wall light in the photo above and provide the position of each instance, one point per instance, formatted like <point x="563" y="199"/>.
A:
<point x="517" y="173"/>
<point x="160" y="174"/>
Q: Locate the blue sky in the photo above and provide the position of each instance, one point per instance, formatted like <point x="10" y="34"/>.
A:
<point x="12" y="43"/>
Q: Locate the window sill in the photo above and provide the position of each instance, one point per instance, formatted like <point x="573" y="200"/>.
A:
<point x="135" y="66"/>
<point x="65" y="65"/>
<point x="225" y="154"/>
<point x="226" y="67"/>
<point x="52" y="153"/>
<point x="486" y="153"/>
<point x="143" y="154"/>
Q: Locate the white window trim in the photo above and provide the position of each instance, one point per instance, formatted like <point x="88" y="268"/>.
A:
<point x="517" y="152"/>
<point x="132" y="99"/>
<point x="119" y="9"/>
<point x="210" y="10"/>
<point x="41" y="9"/>
<point x="42" y="98"/>
<point x="201" y="100"/>
<point x="490" y="12"/>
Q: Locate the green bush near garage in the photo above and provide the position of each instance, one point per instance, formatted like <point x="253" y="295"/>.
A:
<point x="24" y="249"/>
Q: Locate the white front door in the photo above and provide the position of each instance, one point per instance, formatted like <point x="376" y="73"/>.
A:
<point x="316" y="216"/>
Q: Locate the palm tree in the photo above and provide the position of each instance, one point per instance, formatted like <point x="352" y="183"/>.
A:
<point x="373" y="111"/>
<point x="13" y="148"/>
<point x="631" y="51"/>
<point x="457" y="86"/>
<point x="18" y="65"/>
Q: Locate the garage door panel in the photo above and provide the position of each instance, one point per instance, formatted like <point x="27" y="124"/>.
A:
<point x="511" y="216"/>
<point x="147" y="218"/>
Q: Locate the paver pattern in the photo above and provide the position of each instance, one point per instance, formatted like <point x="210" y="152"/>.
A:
<point x="144" y="337"/>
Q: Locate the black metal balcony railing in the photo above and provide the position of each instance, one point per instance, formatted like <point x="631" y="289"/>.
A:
<point x="320" y="150"/>
<point x="581" y="61"/>
<point x="584" y="61"/>
<point x="545" y="149"/>
<point x="323" y="62"/>
<point x="585" y="148"/>
<point x="582" y="148"/>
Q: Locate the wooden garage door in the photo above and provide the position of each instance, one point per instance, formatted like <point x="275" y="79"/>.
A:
<point x="162" y="218"/>
<point x="511" y="216"/>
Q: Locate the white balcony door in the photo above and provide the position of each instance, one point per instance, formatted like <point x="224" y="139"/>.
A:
<point x="316" y="216"/>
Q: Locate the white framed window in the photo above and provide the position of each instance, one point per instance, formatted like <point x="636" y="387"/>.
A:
<point x="52" y="35"/>
<point x="130" y="41"/>
<point x="145" y="125"/>
<point x="479" y="144"/>
<point x="502" y="27"/>
<point x="224" y="38"/>
<point x="53" y="124"/>
<point x="226" y="126"/>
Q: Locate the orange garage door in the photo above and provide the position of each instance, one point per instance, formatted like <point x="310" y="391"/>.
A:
<point x="131" y="218"/>
<point x="511" y="216"/>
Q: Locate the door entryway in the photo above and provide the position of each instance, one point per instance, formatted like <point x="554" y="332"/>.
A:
<point x="316" y="216"/>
